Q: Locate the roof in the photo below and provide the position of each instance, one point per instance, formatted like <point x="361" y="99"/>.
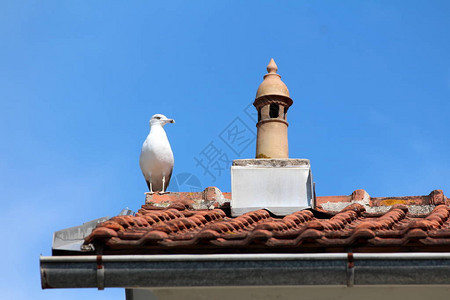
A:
<point x="201" y="223"/>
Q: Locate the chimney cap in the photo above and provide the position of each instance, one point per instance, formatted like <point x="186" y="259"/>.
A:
<point x="272" y="84"/>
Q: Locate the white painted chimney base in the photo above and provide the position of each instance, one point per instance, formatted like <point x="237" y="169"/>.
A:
<point x="282" y="186"/>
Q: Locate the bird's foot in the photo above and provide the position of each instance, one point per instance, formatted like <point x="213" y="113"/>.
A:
<point x="162" y="193"/>
<point x="149" y="193"/>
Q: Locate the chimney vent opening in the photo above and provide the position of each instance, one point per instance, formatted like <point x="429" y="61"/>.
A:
<point x="274" y="110"/>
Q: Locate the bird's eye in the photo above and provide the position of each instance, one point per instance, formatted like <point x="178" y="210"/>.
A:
<point x="158" y="118"/>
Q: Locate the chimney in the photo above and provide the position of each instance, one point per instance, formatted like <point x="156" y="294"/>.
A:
<point x="272" y="103"/>
<point x="272" y="180"/>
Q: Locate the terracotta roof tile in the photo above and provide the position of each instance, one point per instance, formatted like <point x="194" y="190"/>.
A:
<point x="178" y="228"/>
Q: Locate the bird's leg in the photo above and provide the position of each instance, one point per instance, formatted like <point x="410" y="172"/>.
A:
<point x="163" y="184"/>
<point x="150" y="186"/>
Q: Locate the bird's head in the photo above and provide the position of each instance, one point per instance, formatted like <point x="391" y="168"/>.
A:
<point x="160" y="119"/>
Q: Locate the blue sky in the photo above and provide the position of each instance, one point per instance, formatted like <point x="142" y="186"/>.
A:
<point x="79" y="81"/>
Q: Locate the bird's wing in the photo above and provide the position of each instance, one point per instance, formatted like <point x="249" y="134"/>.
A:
<point x="145" y="158"/>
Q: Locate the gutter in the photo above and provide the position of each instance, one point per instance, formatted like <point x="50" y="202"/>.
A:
<point x="208" y="270"/>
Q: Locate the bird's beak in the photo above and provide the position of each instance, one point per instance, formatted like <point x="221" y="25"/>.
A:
<point x="170" y="120"/>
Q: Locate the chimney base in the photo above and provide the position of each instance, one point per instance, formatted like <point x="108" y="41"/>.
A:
<point x="281" y="186"/>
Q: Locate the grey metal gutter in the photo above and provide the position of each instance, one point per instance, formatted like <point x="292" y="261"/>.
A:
<point x="342" y="269"/>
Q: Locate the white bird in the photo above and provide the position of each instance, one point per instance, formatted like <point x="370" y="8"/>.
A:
<point x="156" y="158"/>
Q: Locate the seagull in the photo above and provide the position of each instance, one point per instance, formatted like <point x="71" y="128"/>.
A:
<point x="156" y="160"/>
